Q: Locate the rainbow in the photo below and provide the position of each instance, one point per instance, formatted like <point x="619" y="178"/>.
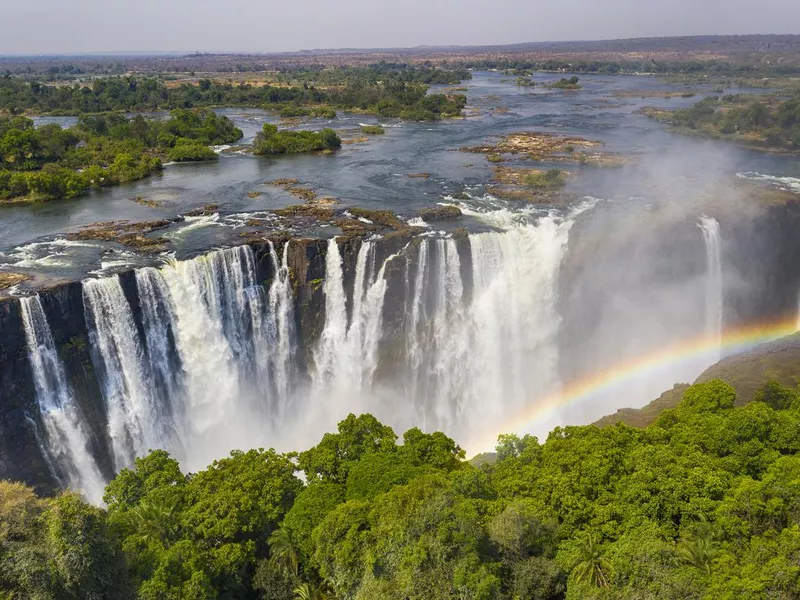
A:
<point x="732" y="342"/>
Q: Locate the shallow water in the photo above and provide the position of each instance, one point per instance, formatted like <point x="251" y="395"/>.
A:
<point x="375" y="174"/>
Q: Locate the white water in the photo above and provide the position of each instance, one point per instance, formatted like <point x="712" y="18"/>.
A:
<point x="346" y="357"/>
<point x="212" y="363"/>
<point x="714" y="316"/>
<point x="485" y="353"/>
<point x="67" y="445"/>
<point x="282" y="335"/>
<point x="119" y="359"/>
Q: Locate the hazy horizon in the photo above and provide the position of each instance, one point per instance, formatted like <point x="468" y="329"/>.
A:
<point x="240" y="26"/>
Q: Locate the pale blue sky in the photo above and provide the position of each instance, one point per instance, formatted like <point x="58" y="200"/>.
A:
<point x="73" y="26"/>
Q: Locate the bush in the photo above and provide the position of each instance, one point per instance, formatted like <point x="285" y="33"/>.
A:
<point x="548" y="180"/>
<point x="372" y="129"/>
<point x="190" y="150"/>
<point x="272" y="141"/>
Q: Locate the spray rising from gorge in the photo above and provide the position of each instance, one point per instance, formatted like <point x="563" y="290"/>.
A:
<point x="203" y="357"/>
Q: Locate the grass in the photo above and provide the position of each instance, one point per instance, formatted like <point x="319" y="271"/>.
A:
<point x="551" y="179"/>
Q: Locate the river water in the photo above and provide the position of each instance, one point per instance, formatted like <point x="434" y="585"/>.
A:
<point x="545" y="298"/>
<point x="375" y="174"/>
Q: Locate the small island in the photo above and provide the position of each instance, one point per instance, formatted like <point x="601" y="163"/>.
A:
<point x="565" y="84"/>
<point x="273" y="141"/>
<point x="51" y="163"/>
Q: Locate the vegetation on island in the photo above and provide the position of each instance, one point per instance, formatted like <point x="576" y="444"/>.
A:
<point x="49" y="162"/>
<point x="565" y="84"/>
<point x="765" y="121"/>
<point x="372" y="130"/>
<point x="272" y="141"/>
<point x="551" y="179"/>
<point x="389" y="92"/>
<point x="700" y="504"/>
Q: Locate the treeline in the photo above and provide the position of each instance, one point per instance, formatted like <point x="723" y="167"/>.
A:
<point x="717" y="68"/>
<point x="759" y="119"/>
<point x="379" y="72"/>
<point x="703" y="503"/>
<point x="397" y="93"/>
<point x="51" y="163"/>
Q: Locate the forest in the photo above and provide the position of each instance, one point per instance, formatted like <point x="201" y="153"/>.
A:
<point x="49" y="162"/>
<point x="704" y="503"/>
<point x="765" y="120"/>
<point x="397" y="92"/>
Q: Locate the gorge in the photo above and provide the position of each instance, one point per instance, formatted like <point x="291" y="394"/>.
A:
<point x="271" y="342"/>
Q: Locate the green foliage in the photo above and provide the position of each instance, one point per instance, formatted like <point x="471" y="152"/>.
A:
<point x="332" y="459"/>
<point x="703" y="503"/>
<point x="374" y="88"/>
<point x="272" y="141"/>
<point x="241" y="497"/>
<point x="189" y="150"/>
<point x="565" y="84"/>
<point x="372" y="130"/>
<point x="51" y="163"/>
<point x="755" y="119"/>
<point x="545" y="180"/>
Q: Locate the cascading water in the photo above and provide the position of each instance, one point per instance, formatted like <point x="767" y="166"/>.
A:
<point x="67" y="446"/>
<point x="475" y="362"/>
<point x="119" y="358"/>
<point x="209" y="362"/>
<point x="347" y="355"/>
<point x="282" y="335"/>
<point x="714" y="316"/>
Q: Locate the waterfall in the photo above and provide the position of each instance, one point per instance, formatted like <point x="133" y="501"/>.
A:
<point x="711" y="237"/>
<point x="160" y="326"/>
<point x="282" y="334"/>
<point x="346" y="357"/>
<point x="214" y="365"/>
<point x="222" y="339"/>
<point x="133" y="413"/>
<point x="476" y="361"/>
<point x="66" y="447"/>
<point x="207" y="359"/>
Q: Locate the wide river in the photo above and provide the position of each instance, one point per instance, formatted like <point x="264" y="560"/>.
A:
<point x="374" y="174"/>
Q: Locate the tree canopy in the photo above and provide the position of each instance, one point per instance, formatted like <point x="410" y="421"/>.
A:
<point x="703" y="503"/>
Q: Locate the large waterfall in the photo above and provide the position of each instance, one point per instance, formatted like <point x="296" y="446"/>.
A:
<point x="714" y="315"/>
<point x="200" y="356"/>
<point x="66" y="440"/>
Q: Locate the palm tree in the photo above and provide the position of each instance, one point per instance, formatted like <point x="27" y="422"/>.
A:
<point x="700" y="547"/>
<point x="307" y="591"/>
<point x="590" y="564"/>
<point x="154" y="518"/>
<point x="283" y="550"/>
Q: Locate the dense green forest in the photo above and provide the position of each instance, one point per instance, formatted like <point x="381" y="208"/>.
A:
<point x="704" y="503"/>
<point x="50" y="162"/>
<point x="760" y="119"/>
<point x="389" y="93"/>
<point x="272" y="141"/>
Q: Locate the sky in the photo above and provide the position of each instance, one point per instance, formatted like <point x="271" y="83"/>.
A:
<point x="78" y="26"/>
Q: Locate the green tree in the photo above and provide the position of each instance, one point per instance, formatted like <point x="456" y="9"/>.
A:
<point x="590" y="564"/>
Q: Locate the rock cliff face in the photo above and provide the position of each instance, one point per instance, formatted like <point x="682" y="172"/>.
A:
<point x="760" y="255"/>
<point x="21" y="457"/>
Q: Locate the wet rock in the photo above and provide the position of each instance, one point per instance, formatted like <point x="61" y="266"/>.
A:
<point x="439" y="213"/>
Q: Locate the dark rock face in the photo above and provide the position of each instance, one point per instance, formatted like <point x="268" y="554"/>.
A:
<point x="21" y="457"/>
<point x="765" y="255"/>
<point x="761" y="260"/>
